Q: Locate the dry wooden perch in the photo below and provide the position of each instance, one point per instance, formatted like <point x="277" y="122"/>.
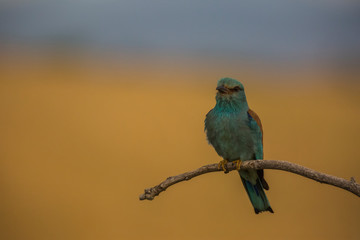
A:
<point x="349" y="185"/>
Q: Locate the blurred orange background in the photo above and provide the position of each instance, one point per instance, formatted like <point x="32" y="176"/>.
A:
<point x="102" y="99"/>
<point x="81" y="139"/>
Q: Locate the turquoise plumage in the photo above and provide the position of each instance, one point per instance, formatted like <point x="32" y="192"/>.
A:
<point x="235" y="132"/>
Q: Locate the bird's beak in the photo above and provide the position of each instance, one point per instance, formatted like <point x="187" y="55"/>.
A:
<point x="223" y="89"/>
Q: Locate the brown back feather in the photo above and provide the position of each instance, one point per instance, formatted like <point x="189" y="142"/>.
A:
<point x="257" y="119"/>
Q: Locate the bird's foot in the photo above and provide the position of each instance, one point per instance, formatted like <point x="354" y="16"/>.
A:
<point x="238" y="164"/>
<point x="222" y="165"/>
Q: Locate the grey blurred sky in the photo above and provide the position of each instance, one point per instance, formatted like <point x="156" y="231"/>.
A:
<point x="277" y="29"/>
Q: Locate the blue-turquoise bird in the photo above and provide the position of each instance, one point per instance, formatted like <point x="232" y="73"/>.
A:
<point x="235" y="131"/>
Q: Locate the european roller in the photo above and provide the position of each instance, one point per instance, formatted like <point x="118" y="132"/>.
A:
<point x="235" y="131"/>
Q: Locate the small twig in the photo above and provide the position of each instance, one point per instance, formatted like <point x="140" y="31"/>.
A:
<point x="349" y="185"/>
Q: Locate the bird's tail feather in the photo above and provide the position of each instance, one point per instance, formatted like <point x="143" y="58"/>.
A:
<point x="257" y="196"/>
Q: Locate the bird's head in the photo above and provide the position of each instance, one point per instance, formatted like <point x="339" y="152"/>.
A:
<point x="230" y="91"/>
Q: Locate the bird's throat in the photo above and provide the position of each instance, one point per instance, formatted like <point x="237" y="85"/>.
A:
<point x="231" y="106"/>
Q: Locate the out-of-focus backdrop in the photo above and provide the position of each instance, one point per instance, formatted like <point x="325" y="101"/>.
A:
<point x="101" y="99"/>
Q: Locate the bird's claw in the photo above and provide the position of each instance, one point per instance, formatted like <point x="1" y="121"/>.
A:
<point x="238" y="164"/>
<point x="222" y="165"/>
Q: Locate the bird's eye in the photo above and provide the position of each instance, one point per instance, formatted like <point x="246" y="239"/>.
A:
<point x="236" y="89"/>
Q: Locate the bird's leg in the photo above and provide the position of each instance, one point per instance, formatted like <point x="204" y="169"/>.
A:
<point x="238" y="164"/>
<point x="222" y="165"/>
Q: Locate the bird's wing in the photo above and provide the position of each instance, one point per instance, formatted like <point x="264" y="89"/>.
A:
<point x="256" y="128"/>
<point x="258" y="122"/>
<point x="259" y="152"/>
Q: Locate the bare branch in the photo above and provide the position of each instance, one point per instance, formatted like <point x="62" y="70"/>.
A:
<point x="349" y="185"/>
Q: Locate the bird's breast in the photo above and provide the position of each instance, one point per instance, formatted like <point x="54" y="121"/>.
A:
<point x="230" y="135"/>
